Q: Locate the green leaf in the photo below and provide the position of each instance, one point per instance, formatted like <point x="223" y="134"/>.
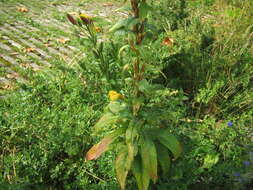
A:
<point x="144" y="85"/>
<point x="121" y="170"/>
<point x="115" y="107"/>
<point x="122" y="49"/>
<point x="149" y="158"/>
<point x="131" y="134"/>
<point x="124" y="8"/>
<point x="171" y="142"/>
<point x="210" y="160"/>
<point x="163" y="158"/>
<point x="125" y="23"/>
<point x="120" y="32"/>
<point x="106" y="120"/>
<point x="101" y="46"/>
<point x="151" y="27"/>
<point x="141" y="176"/>
<point x="144" y="8"/>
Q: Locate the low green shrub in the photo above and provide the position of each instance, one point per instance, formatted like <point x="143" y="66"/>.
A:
<point x="45" y="132"/>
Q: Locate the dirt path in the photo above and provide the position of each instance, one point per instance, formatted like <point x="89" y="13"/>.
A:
<point x="34" y="34"/>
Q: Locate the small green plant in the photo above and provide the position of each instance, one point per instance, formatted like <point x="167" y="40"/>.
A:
<point x="137" y="123"/>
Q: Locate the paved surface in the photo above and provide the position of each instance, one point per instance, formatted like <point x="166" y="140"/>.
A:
<point x="35" y="33"/>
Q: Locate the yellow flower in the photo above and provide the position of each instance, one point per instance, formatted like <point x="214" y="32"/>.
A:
<point x="113" y="95"/>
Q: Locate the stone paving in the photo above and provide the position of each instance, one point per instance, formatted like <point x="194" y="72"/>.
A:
<point x="25" y="42"/>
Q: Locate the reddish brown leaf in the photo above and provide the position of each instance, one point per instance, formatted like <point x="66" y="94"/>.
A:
<point x="99" y="148"/>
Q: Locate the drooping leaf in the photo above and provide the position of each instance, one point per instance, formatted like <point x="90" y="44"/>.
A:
<point x="99" y="148"/>
<point x="149" y="158"/>
<point x="122" y="49"/>
<point x="130" y="157"/>
<point x="131" y="133"/>
<point x="137" y="172"/>
<point x="141" y="176"/>
<point x="132" y="148"/>
<point x="121" y="170"/>
<point x="106" y="120"/>
<point x="171" y="142"/>
<point x="163" y="158"/>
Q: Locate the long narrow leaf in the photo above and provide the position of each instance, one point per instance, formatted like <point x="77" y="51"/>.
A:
<point x="121" y="170"/>
<point x="163" y="158"/>
<point x="141" y="176"/>
<point x="149" y="158"/>
<point x="171" y="142"/>
<point x="122" y="23"/>
<point x="131" y="134"/>
<point x="102" y="146"/>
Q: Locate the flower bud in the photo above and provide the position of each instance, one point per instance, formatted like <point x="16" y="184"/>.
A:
<point x="71" y="19"/>
<point x="86" y="19"/>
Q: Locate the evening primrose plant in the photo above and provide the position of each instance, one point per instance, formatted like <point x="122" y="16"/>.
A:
<point x="138" y="119"/>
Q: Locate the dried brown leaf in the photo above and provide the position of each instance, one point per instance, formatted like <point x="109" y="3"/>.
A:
<point x="27" y="50"/>
<point x="14" y="53"/>
<point x="7" y="86"/>
<point x="25" y="65"/>
<point x="13" y="75"/>
<point x="22" y="9"/>
<point x="63" y="40"/>
<point x="108" y="4"/>
<point x="168" y="41"/>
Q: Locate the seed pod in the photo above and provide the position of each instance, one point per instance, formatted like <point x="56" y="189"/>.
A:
<point x="71" y="19"/>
